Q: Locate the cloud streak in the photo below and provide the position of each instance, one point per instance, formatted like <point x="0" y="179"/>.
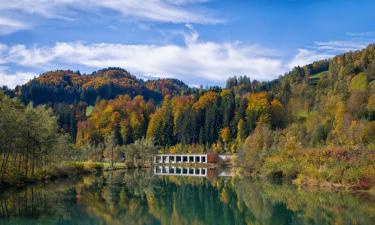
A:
<point x="164" y="11"/>
<point x="8" y="25"/>
<point x="327" y="49"/>
<point x="340" y="46"/>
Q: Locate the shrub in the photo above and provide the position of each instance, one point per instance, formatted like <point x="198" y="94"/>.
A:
<point x="129" y="164"/>
<point x="255" y="148"/>
<point x="92" y="166"/>
<point x="280" y="167"/>
<point x="359" y="82"/>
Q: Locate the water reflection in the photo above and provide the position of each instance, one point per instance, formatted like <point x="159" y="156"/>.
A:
<point x="140" y="197"/>
<point x="211" y="173"/>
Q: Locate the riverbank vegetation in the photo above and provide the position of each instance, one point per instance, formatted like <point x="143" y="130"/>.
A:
<point x="279" y="154"/>
<point x="29" y="140"/>
<point x="34" y="149"/>
<point x="315" y="124"/>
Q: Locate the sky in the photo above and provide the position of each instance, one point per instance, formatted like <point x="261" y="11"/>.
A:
<point x="201" y="42"/>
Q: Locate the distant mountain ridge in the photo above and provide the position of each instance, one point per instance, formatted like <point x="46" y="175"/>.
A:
<point x="67" y="86"/>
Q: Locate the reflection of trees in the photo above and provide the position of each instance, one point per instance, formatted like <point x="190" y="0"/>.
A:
<point x="118" y="198"/>
<point x="284" y="204"/>
<point x="138" y="197"/>
<point x="260" y="209"/>
<point x="185" y="200"/>
<point x="35" y="203"/>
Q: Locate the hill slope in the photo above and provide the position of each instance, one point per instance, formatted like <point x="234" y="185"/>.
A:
<point x="66" y="86"/>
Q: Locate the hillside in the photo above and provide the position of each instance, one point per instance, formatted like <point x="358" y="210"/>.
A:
<point x="302" y="95"/>
<point x="66" y="86"/>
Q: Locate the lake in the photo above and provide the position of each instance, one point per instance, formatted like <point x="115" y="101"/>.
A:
<point x="143" y="197"/>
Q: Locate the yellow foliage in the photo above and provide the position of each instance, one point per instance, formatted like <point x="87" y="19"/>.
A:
<point x="122" y="112"/>
<point x="259" y="103"/>
<point x="206" y="100"/>
<point x="225" y="135"/>
<point x="338" y="124"/>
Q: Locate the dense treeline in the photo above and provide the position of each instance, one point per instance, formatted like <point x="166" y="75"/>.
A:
<point x="66" y="86"/>
<point x="216" y="115"/>
<point x="68" y="93"/>
<point x="326" y="100"/>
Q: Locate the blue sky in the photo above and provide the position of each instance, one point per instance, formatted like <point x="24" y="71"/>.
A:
<point x="197" y="41"/>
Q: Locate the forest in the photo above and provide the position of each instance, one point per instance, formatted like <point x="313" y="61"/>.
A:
<point x="312" y="125"/>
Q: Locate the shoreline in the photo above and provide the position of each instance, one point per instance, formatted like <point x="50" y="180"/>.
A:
<point x="67" y="171"/>
<point x="94" y="168"/>
<point x="310" y="183"/>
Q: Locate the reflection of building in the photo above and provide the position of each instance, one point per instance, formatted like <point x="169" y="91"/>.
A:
<point x="180" y="171"/>
<point x="210" y="173"/>
<point x="191" y="158"/>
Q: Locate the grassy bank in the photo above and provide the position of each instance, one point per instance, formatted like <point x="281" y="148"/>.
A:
<point x="327" y="167"/>
<point x="65" y="170"/>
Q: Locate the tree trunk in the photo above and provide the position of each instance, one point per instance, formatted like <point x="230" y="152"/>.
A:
<point x="27" y="154"/>
<point x="111" y="157"/>
<point x="5" y="161"/>
<point x="32" y="162"/>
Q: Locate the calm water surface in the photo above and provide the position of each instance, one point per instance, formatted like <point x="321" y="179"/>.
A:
<point x="140" y="197"/>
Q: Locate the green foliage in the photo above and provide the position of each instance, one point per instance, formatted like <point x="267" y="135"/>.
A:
<point x="89" y="110"/>
<point x="141" y="150"/>
<point x="317" y="75"/>
<point x="314" y="78"/>
<point x="29" y="140"/>
<point x="255" y="149"/>
<point x="359" y="82"/>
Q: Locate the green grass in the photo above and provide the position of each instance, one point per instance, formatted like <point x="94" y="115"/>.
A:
<point x="89" y="110"/>
<point x="359" y="82"/>
<point x="117" y="165"/>
<point x="317" y="75"/>
<point x="314" y="78"/>
<point x="99" y="165"/>
<point x="302" y="114"/>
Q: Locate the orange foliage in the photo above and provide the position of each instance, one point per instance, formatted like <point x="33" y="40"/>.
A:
<point x="206" y="100"/>
<point x="60" y="76"/>
<point x="166" y="86"/>
<point x="122" y="112"/>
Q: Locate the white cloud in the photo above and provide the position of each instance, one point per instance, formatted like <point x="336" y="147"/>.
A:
<point x="305" y="56"/>
<point x="340" y="46"/>
<point x="325" y="49"/>
<point x="8" y="25"/>
<point x="180" y="11"/>
<point x="195" y="61"/>
<point x="13" y="79"/>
